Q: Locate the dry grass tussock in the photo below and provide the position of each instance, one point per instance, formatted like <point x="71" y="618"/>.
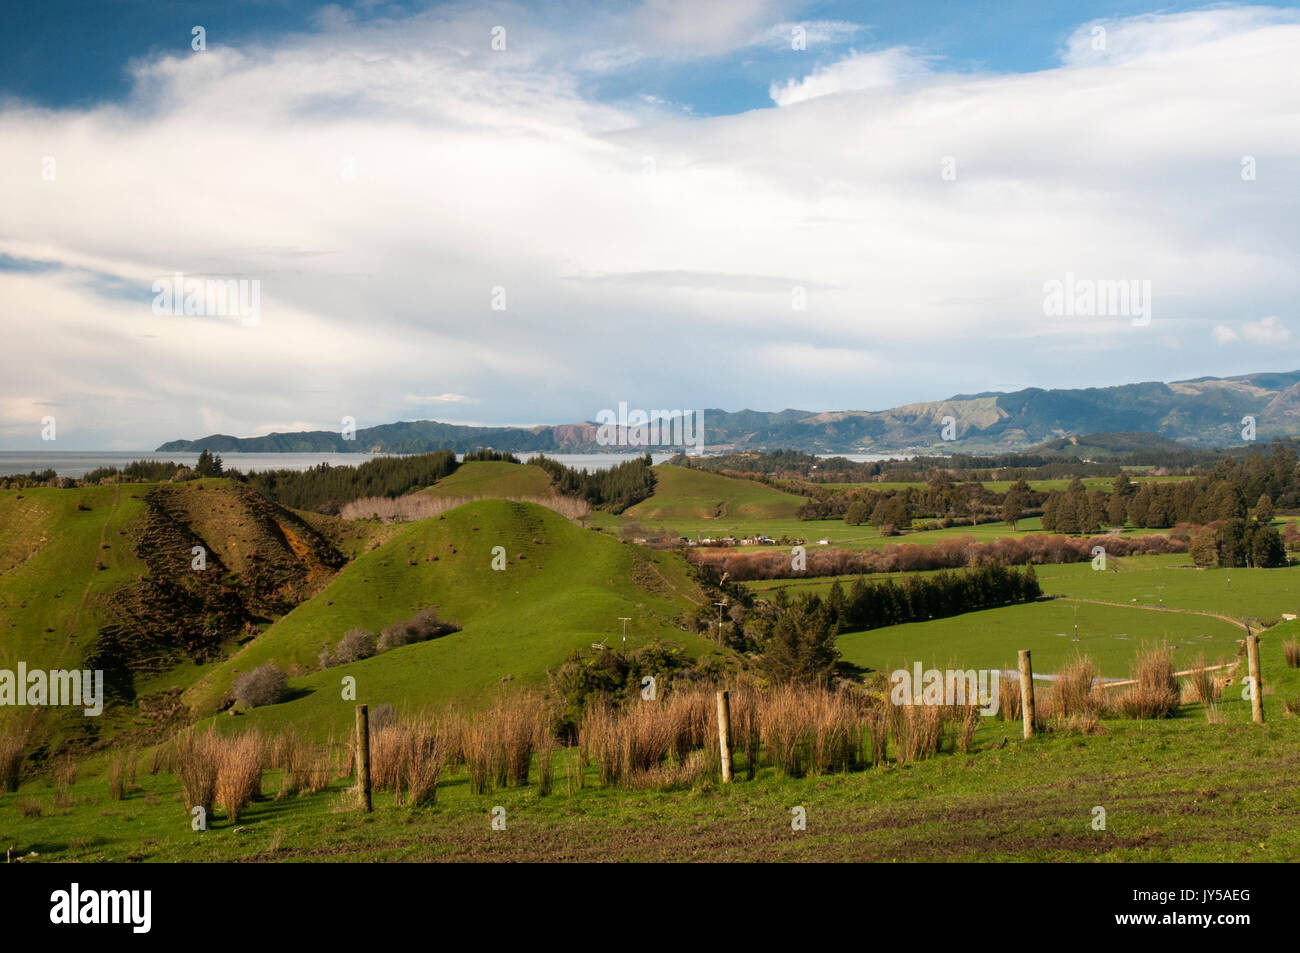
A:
<point x="1155" y="693"/>
<point x="12" y="743"/>
<point x="219" y="770"/>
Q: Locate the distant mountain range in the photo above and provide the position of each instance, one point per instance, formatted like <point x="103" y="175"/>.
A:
<point x="1205" y="412"/>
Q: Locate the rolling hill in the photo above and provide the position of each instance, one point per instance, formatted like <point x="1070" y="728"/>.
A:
<point x="687" y="494"/>
<point x="104" y="577"/>
<point x="492" y="478"/>
<point x="563" y="588"/>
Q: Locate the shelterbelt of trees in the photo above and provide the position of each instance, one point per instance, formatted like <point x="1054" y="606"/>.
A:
<point x="794" y="639"/>
<point x="1227" y="490"/>
<point x="325" y="488"/>
<point x="742" y="566"/>
<point x="1129" y="450"/>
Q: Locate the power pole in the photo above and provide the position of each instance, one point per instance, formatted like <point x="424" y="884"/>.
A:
<point x="720" y="606"/>
<point x="625" y="620"/>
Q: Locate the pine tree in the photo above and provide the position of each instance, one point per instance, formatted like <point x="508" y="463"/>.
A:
<point x="1264" y="510"/>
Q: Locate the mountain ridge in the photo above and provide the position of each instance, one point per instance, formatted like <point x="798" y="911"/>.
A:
<point x="1200" y="412"/>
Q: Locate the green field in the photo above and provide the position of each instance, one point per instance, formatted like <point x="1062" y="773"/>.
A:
<point x="697" y="496"/>
<point x="1174" y="790"/>
<point x="1263" y="594"/>
<point x="993" y="637"/>
<point x="1110" y="634"/>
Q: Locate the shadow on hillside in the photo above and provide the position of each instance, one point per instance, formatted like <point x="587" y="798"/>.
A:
<point x="851" y="670"/>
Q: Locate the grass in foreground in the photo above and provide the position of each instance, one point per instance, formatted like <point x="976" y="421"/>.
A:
<point x="1178" y="790"/>
<point x="1182" y="789"/>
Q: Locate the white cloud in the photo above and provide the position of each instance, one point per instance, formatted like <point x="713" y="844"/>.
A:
<point x="472" y="170"/>
<point x="1268" y="330"/>
<point x="815" y="33"/>
<point x="440" y="399"/>
<point x="886" y="68"/>
<point x="688" y="26"/>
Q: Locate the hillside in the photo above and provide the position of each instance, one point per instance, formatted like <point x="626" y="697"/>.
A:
<point x="102" y="577"/>
<point x="682" y="493"/>
<point x="1204" y="412"/>
<point x="1099" y="446"/>
<point x="564" y="588"/>
<point x="491" y="478"/>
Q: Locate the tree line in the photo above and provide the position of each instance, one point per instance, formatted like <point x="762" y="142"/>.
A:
<point x="615" y="488"/>
<point x="797" y="637"/>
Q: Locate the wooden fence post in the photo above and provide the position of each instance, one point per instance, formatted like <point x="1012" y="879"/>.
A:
<point x="363" y="757"/>
<point x="1027" y="692"/>
<point x="724" y="734"/>
<point x="1257" y="687"/>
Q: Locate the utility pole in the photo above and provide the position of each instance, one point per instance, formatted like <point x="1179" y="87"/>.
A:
<point x="720" y="606"/>
<point x="625" y="620"/>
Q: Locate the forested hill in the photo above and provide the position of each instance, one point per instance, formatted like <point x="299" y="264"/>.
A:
<point x="1205" y="412"/>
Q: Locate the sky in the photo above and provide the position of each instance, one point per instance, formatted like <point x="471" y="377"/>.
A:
<point x="499" y="213"/>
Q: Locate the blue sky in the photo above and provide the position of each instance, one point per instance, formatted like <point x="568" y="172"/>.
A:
<point x="74" y="52"/>
<point x="661" y="202"/>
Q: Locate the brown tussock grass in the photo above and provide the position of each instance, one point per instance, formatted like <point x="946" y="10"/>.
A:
<point x="194" y="761"/>
<point x="1291" y="650"/>
<point x="12" y="744"/>
<point x="121" y="772"/>
<point x="240" y="760"/>
<point x="1156" y="693"/>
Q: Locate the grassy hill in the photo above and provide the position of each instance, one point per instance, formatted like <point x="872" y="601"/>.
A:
<point x="492" y="478"/>
<point x="563" y="588"/>
<point x="103" y="577"/>
<point x="682" y="493"/>
<point x="52" y="589"/>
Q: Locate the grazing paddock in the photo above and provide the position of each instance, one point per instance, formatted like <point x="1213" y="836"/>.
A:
<point x="1111" y="635"/>
<point x="661" y="800"/>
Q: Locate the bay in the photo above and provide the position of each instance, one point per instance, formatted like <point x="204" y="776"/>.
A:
<point x="75" y="463"/>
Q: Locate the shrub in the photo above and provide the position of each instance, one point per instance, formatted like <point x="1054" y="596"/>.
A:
<point x="421" y="628"/>
<point x="264" y="685"/>
<point x="356" y="644"/>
